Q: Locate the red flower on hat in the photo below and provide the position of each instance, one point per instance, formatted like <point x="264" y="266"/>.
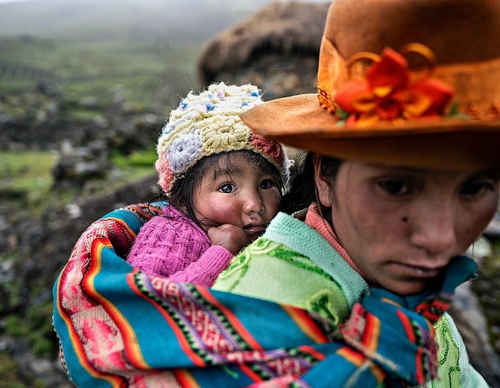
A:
<point x="388" y="93"/>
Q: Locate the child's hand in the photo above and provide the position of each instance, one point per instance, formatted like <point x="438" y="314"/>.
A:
<point x="231" y="237"/>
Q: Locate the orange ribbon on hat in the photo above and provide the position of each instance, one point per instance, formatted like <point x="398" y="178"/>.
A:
<point x="389" y="92"/>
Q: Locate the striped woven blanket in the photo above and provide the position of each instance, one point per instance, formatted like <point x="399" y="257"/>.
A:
<point x="118" y="327"/>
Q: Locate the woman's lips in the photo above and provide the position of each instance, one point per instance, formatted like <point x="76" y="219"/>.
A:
<point x="417" y="271"/>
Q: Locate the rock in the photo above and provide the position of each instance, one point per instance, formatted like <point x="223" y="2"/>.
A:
<point x="78" y="165"/>
<point x="493" y="228"/>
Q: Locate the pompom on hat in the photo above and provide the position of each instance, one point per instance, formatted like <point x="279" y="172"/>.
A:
<point x="209" y="123"/>
<point x="400" y="82"/>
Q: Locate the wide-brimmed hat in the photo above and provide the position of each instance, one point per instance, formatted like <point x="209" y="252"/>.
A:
<point x="400" y="82"/>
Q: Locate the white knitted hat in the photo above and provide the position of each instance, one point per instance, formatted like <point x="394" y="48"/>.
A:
<point x="209" y="123"/>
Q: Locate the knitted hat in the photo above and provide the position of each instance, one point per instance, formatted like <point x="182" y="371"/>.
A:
<point x="207" y="124"/>
<point x="400" y="82"/>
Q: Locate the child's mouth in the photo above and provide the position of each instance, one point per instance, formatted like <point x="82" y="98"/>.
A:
<point x="254" y="229"/>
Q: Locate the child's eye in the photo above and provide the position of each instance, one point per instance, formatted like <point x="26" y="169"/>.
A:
<point x="477" y="188"/>
<point x="227" y="188"/>
<point x="267" y="184"/>
<point x="396" y="187"/>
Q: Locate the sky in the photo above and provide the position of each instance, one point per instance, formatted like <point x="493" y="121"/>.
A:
<point x="16" y="1"/>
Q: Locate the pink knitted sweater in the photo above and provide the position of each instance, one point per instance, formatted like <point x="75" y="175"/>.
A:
<point x="174" y="246"/>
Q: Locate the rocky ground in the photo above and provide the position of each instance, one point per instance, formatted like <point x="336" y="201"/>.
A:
<point x="51" y="238"/>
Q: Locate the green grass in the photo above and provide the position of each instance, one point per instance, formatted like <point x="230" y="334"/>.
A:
<point x="136" y="160"/>
<point x="86" y="47"/>
<point x="26" y="177"/>
<point x="26" y="171"/>
<point x="9" y="373"/>
<point x="79" y="69"/>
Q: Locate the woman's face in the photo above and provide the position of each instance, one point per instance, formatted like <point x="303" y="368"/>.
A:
<point x="402" y="226"/>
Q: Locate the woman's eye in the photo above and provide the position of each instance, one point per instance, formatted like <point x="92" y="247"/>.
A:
<point x="395" y="187"/>
<point x="227" y="188"/>
<point x="267" y="184"/>
<point x="477" y="188"/>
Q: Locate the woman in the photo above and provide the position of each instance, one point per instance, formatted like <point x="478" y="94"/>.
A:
<point x="414" y="177"/>
<point x="404" y="165"/>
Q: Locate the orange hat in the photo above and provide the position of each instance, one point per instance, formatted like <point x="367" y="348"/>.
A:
<point x="400" y="82"/>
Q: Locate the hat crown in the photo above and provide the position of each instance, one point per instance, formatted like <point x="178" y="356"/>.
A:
<point x="462" y="35"/>
<point x="455" y="30"/>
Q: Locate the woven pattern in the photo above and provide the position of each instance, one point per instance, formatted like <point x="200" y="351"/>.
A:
<point x="120" y="327"/>
<point x="101" y="305"/>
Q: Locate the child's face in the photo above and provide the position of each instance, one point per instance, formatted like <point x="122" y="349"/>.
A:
<point x="402" y="226"/>
<point x="239" y="193"/>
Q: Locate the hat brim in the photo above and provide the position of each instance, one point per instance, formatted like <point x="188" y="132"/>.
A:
<point x="446" y="143"/>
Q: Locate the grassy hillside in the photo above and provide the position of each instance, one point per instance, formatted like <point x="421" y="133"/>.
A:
<point x="87" y="47"/>
<point x="93" y="50"/>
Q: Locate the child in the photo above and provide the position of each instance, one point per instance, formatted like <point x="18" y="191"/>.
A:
<point x="223" y="185"/>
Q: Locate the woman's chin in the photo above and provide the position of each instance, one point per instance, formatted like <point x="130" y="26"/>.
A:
<point x="406" y="288"/>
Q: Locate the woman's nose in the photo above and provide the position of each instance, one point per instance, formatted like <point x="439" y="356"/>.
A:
<point x="434" y="229"/>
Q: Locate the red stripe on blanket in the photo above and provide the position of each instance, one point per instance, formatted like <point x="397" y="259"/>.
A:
<point x="418" y="355"/>
<point x="352" y="355"/>
<point x="185" y="379"/>
<point x="235" y="322"/>
<point x="313" y="352"/>
<point x="371" y="334"/>
<point x="145" y="210"/>
<point x="306" y="323"/>
<point x="122" y="223"/>
<point x="76" y="341"/>
<point x="407" y="325"/>
<point x="134" y="354"/>
<point x="183" y="342"/>
<point x="250" y="373"/>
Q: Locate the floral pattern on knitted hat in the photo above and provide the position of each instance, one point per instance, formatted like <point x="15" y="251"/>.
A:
<point x="209" y="123"/>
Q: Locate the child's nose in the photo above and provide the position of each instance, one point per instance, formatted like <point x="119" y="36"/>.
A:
<point x="253" y="203"/>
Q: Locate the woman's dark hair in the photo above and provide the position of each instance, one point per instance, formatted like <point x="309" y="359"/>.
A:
<point x="181" y="194"/>
<point x="303" y="188"/>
